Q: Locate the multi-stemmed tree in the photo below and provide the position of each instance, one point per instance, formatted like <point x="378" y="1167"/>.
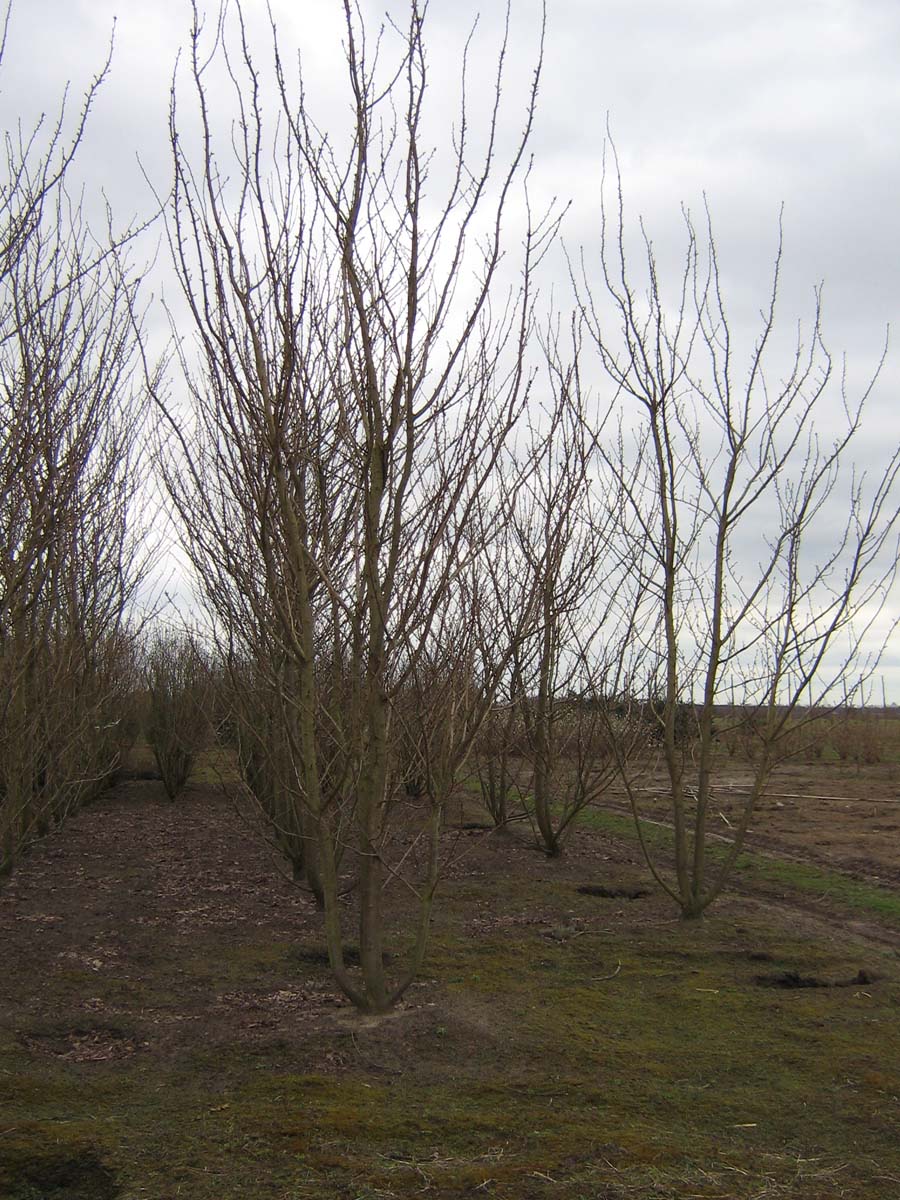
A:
<point x="68" y="471"/>
<point x="565" y="673"/>
<point x="761" y="557"/>
<point x="362" y="361"/>
<point x="177" y="721"/>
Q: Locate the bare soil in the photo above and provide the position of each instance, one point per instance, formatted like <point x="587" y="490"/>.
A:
<point x="841" y="817"/>
<point x="835" y="815"/>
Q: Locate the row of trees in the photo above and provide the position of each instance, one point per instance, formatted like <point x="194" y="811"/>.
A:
<point x="68" y="474"/>
<point x="435" y="531"/>
<point x="419" y="527"/>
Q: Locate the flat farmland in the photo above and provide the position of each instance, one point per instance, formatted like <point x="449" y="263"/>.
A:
<point x="828" y="813"/>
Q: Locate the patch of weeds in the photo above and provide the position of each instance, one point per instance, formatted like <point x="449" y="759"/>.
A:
<point x="25" y="1089"/>
<point x="215" y="765"/>
<point x="448" y="1132"/>
<point x="140" y="774"/>
<point x="237" y="962"/>
<point x="53" y="1176"/>
<point x="623" y="827"/>
<point x="842" y="889"/>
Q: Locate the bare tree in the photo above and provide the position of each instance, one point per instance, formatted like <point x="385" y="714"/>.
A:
<point x="252" y="690"/>
<point x="178" y="704"/>
<point x="728" y="486"/>
<point x="361" y="367"/>
<point x="562" y="548"/>
<point x="495" y="755"/>
<point x="68" y="472"/>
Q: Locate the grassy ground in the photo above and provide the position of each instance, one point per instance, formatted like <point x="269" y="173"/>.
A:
<point x="167" y="1032"/>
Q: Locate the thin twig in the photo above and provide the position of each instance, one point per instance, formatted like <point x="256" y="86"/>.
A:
<point x="601" y="978"/>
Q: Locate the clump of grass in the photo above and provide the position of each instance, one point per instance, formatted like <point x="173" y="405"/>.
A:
<point x="841" y="889"/>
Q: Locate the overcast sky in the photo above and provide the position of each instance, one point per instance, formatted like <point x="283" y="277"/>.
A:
<point x="779" y="102"/>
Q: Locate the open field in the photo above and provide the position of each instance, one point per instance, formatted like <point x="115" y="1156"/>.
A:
<point x="168" y="1028"/>
<point x="826" y="813"/>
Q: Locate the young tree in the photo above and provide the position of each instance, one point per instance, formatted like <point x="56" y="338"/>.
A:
<point x="178" y="703"/>
<point x="562" y="550"/>
<point x="361" y="366"/>
<point x="252" y="691"/>
<point x="496" y="750"/>
<point x="68" y="472"/>
<point x="727" y="486"/>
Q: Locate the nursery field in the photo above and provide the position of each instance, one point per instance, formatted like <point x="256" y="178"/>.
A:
<point x="168" y="1027"/>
